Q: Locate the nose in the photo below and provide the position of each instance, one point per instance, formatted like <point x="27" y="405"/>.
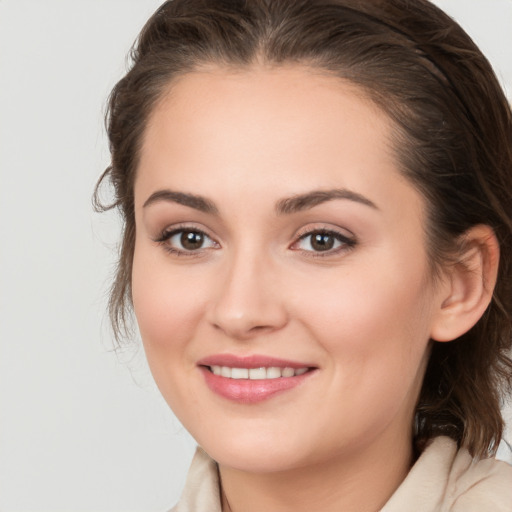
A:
<point x="250" y="299"/>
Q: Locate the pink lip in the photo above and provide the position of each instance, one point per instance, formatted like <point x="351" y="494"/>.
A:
<point x="247" y="391"/>
<point x="253" y="361"/>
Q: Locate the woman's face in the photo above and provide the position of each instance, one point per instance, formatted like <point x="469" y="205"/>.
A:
<point x="278" y="245"/>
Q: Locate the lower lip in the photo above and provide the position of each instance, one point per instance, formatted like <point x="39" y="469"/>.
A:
<point x="247" y="391"/>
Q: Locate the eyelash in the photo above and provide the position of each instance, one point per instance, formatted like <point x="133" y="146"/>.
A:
<point x="346" y="243"/>
<point x="167" y="234"/>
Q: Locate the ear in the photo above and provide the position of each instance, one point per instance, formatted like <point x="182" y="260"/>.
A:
<point x="468" y="284"/>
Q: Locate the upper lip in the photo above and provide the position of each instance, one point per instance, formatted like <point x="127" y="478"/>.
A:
<point x="251" y="361"/>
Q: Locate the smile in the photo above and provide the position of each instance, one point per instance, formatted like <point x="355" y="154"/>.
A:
<point x="252" y="379"/>
<point x="262" y="373"/>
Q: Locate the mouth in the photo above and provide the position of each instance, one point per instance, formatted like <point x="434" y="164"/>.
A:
<point x="252" y="379"/>
<point x="261" y="373"/>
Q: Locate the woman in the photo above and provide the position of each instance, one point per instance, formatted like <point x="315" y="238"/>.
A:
<point x="317" y="205"/>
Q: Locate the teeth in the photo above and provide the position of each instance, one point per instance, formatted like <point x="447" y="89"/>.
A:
<point x="239" y="373"/>
<point x="288" y="372"/>
<point x="257" y="373"/>
<point x="272" y="372"/>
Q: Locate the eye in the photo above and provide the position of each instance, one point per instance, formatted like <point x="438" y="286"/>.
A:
<point x="327" y="241"/>
<point x="183" y="241"/>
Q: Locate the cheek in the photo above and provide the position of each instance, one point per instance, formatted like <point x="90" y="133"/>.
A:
<point x="374" y="323"/>
<point x="166" y="305"/>
<point x="377" y="338"/>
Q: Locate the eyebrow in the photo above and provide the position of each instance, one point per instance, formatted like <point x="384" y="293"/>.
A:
<point x="192" y="201"/>
<point x="285" y="206"/>
<point x="309" y="200"/>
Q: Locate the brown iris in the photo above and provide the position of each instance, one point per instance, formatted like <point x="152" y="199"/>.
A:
<point x="191" y="240"/>
<point x="322" y="241"/>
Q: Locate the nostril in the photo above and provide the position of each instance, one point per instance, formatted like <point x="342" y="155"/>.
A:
<point x="258" y="328"/>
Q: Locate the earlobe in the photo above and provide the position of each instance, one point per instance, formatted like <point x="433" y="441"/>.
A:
<point x="468" y="285"/>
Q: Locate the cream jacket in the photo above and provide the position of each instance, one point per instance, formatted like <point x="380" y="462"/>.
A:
<point x="442" y="480"/>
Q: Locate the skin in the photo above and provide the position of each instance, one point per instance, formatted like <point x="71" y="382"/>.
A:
<point x="362" y="315"/>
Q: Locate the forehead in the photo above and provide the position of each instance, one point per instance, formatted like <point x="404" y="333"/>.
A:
<point x="284" y="130"/>
<point x="285" y="99"/>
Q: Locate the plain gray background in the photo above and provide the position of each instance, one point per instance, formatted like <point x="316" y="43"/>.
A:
<point x="83" y="429"/>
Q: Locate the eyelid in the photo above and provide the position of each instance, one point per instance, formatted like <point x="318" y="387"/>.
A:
<point x="325" y="228"/>
<point x="181" y="226"/>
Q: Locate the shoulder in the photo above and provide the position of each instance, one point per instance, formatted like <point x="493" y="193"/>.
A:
<point x="478" y="485"/>
<point x="447" y="479"/>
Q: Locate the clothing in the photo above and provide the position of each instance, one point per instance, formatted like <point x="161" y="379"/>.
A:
<point x="442" y="480"/>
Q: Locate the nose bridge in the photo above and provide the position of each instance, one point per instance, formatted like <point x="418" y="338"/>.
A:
<point x="248" y="299"/>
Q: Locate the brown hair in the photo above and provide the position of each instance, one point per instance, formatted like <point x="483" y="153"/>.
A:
<point x="453" y="140"/>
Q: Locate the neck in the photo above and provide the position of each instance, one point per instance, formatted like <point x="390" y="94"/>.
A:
<point x="361" y="482"/>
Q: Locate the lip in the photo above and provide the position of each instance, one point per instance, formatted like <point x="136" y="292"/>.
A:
<point x="252" y="361"/>
<point x="246" y="391"/>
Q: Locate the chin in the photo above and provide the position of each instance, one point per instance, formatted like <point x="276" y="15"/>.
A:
<point x="255" y="459"/>
<point x="259" y="452"/>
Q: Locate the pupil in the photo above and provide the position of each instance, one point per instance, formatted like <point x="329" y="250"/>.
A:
<point x="322" y="242"/>
<point x="191" y="240"/>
